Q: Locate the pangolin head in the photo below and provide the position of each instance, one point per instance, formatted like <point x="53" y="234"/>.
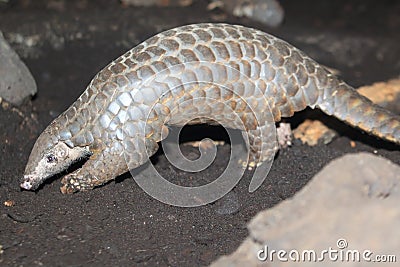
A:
<point x="49" y="156"/>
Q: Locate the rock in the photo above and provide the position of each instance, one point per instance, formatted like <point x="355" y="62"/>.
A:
<point x="385" y="94"/>
<point x="284" y="134"/>
<point x="16" y="82"/>
<point x="352" y="205"/>
<point x="162" y="3"/>
<point x="312" y="133"/>
<point x="268" y="12"/>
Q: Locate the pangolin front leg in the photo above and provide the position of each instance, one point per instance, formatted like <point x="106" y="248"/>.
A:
<point x="100" y="168"/>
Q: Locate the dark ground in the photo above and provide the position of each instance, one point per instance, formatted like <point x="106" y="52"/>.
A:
<point x="118" y="223"/>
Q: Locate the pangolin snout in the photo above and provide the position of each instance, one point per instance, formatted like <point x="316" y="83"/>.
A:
<point x="28" y="182"/>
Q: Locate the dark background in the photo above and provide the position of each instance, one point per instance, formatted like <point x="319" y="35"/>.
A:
<point x="65" y="43"/>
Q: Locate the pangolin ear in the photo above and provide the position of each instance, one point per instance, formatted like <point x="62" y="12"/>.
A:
<point x="78" y="152"/>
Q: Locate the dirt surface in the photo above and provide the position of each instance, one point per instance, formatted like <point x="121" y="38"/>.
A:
<point x="65" y="43"/>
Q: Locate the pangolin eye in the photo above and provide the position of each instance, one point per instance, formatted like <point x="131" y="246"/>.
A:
<point x="51" y="158"/>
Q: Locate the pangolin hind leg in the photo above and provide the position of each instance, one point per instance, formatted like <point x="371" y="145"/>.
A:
<point x="263" y="146"/>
